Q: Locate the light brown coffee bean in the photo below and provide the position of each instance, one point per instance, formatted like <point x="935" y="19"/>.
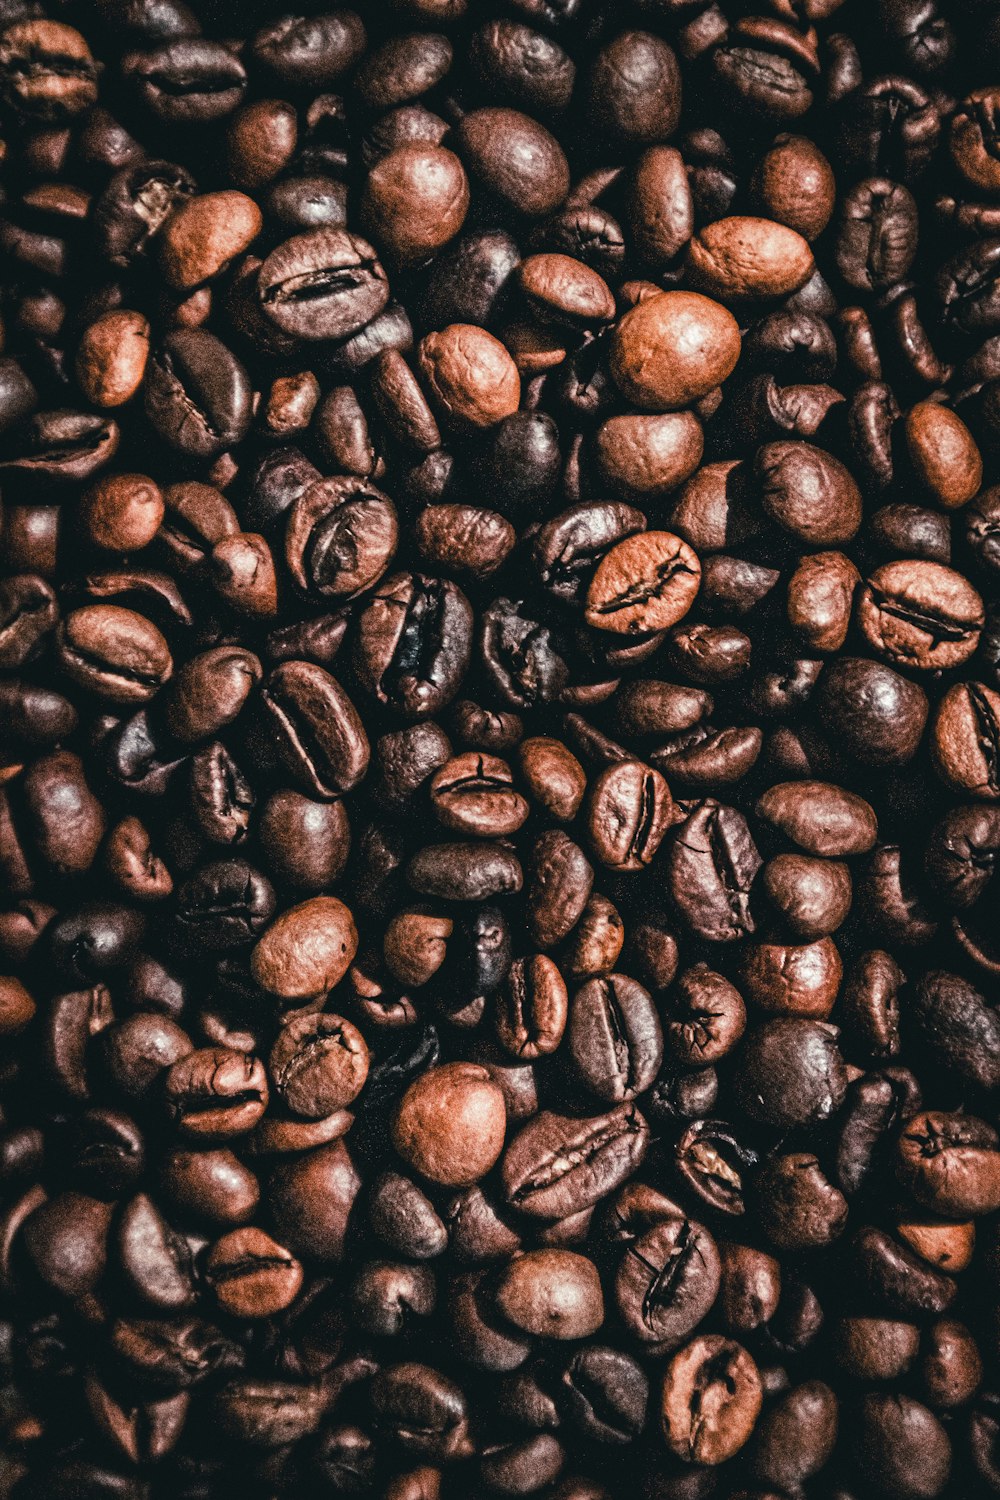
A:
<point x="471" y="377"/>
<point x="204" y="235"/>
<point x="943" y="453"/>
<point x="111" y="358"/>
<point x="921" y="614"/>
<point x="532" y="1008"/>
<point x="646" y="582"/>
<point x="251" y="1275"/>
<point x="710" y="1400"/>
<point x="743" y="257"/>
<point x="450" y="1124"/>
<point x="554" y="1294"/>
<point x="672" y="349"/>
<point x="306" y="950"/>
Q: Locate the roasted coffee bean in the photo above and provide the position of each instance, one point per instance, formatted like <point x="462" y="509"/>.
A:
<point x="319" y="735"/>
<point x="874" y="713"/>
<point x="798" y="1207"/>
<point x="667" y="1281"/>
<point x="557" y="1166"/>
<point x="114" y="652"/>
<point x="186" y="82"/>
<point x="340" y="538"/>
<point x="964" y="739"/>
<point x="450" y="1124"/>
<point x="216" y="1093"/>
<point x="784" y="1092"/>
<point x="224" y="905"/>
<point x="532" y="1008"/>
<point x="901" y="1446"/>
<point x="475" y="794"/>
<point x="605" y="1393"/>
<point x="614" y="1037"/>
<point x="713" y="1163"/>
<point x="555" y="1293"/>
<point x="250" y="1275"/>
<point x="710" y="1400"/>
<point x="197" y="394"/>
<point x="920" y="615"/>
<point x="949" y="1163"/>
<point x="306" y="950"/>
<point x="323" y="285"/>
<point x="712" y="862"/>
<point x="629" y="809"/>
<point x="413" y="643"/>
<point x="672" y="349"/>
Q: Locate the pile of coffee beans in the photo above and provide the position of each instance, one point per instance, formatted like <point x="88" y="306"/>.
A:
<point x="500" y="750"/>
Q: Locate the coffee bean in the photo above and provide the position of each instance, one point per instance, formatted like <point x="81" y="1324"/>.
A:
<point x="306" y="950"/>
<point x="614" y="1037"/>
<point x="820" y="818"/>
<point x="710" y="1400"/>
<point x="920" y="614"/>
<point x="875" y="714"/>
<point x="672" y="349"/>
<point x="250" y="1275"/>
<point x="647" y="582"/>
<point x="793" y="979"/>
<point x="808" y="492"/>
<point x="712" y="862"/>
<point x="901" y="1446"/>
<point x="326" y="284"/>
<point x="560" y="884"/>
<point x="216" y="1093"/>
<point x="204" y="235"/>
<point x="515" y="158"/>
<point x="666" y="1282"/>
<point x="318" y="1064"/>
<point x="197" y="394"/>
<point x="784" y="1092"/>
<point x="47" y="71"/>
<point x="450" y="1124"/>
<point x="414" y="642"/>
<point x="114" y="652"/>
<point x="310" y="1197"/>
<point x="320" y="737"/>
<point x="188" y="81"/>
<point x="557" y="1166"/>
<point x="475" y="794"/>
<point x="798" y="1207"/>
<point x="470" y="375"/>
<point x="949" y="1163"/>
<point x="742" y="257"/>
<point x="628" y="812"/>
<point x="532" y="1008"/>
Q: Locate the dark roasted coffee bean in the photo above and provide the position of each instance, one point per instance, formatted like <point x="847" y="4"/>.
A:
<point x="667" y="1280"/>
<point x="614" y="1037"/>
<point x="224" y="905"/>
<point x="318" y="732"/>
<point x="557" y="1166"/>
<point x="197" y="394"/>
<point x="792" y="1071"/>
<point x="323" y="285"/>
<point x="712" y="862"/>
